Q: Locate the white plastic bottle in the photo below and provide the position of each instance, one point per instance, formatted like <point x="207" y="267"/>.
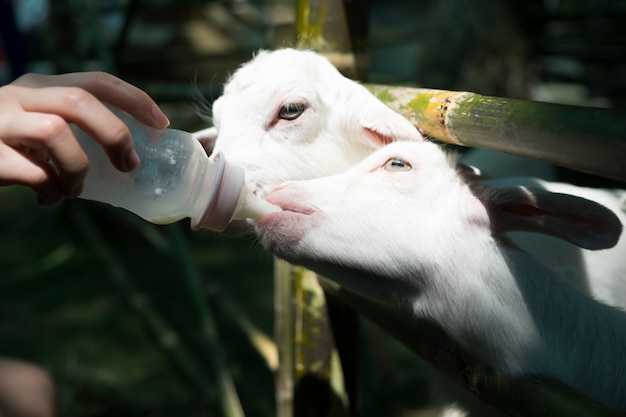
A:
<point x="175" y="179"/>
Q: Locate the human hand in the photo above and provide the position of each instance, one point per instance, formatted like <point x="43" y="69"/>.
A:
<point x="37" y="147"/>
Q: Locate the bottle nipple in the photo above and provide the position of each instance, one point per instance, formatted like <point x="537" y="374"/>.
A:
<point x="230" y="199"/>
<point x="251" y="206"/>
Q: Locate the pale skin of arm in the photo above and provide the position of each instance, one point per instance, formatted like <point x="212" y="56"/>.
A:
<point x="37" y="147"/>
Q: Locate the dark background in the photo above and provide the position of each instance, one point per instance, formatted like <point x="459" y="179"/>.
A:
<point x="75" y="278"/>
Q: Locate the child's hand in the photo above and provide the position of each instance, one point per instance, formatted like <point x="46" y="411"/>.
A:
<point x="37" y="147"/>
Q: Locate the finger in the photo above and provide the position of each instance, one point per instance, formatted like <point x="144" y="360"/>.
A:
<point x="39" y="152"/>
<point x="107" y="88"/>
<point x="21" y="169"/>
<point x="82" y="108"/>
<point x="51" y="132"/>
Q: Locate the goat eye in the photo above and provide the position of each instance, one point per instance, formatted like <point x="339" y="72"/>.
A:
<point x="291" y="111"/>
<point x="397" y="164"/>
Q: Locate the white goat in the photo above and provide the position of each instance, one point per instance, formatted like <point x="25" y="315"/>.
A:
<point x="290" y="115"/>
<point x="405" y="225"/>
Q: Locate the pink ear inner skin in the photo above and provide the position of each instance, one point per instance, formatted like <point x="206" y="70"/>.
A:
<point x="378" y="137"/>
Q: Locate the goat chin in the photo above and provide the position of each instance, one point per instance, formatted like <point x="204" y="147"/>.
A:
<point x="238" y="228"/>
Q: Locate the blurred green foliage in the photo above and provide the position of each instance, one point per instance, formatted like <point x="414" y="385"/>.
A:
<point x="60" y="309"/>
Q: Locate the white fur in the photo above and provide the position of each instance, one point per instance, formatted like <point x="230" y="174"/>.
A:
<point x="424" y="238"/>
<point x="342" y="124"/>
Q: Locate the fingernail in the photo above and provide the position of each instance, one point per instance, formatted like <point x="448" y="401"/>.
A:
<point x="160" y="117"/>
<point x="132" y="160"/>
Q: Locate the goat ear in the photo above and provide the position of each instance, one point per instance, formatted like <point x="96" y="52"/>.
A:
<point x="207" y="138"/>
<point x="581" y="222"/>
<point x="470" y="172"/>
<point x="374" y="124"/>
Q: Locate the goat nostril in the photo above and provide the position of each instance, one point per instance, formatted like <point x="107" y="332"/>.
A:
<point x="277" y="188"/>
<point x="281" y="186"/>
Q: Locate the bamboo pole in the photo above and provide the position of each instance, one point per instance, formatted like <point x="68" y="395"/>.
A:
<point x="591" y="140"/>
<point x="308" y="361"/>
<point x="339" y="30"/>
<point x="284" y="330"/>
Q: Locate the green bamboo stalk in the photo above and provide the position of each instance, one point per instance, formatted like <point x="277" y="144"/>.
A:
<point x="168" y="337"/>
<point x="305" y="342"/>
<point x="284" y="330"/>
<point x="339" y="30"/>
<point x="312" y="333"/>
<point x="315" y="355"/>
<point x="587" y="139"/>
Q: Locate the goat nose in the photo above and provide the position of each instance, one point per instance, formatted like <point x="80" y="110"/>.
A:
<point x="282" y="186"/>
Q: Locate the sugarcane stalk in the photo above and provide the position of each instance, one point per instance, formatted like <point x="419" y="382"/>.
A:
<point x="284" y="329"/>
<point x="314" y="336"/>
<point x="305" y="340"/>
<point x="312" y="332"/>
<point x="587" y="139"/>
<point x="337" y="29"/>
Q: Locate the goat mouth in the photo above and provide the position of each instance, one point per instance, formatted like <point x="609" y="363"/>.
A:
<point x="281" y="231"/>
<point x="289" y="205"/>
<point x="293" y="208"/>
<point x="292" y="217"/>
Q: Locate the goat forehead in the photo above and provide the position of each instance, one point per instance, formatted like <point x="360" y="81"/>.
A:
<point x="287" y="68"/>
<point x="260" y="99"/>
<point x="260" y="102"/>
<point x="431" y="172"/>
<point x="275" y="71"/>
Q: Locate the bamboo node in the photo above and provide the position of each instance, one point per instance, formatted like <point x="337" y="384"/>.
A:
<point x="433" y="110"/>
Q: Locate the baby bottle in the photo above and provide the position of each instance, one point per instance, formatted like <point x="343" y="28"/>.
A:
<point x="175" y="179"/>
